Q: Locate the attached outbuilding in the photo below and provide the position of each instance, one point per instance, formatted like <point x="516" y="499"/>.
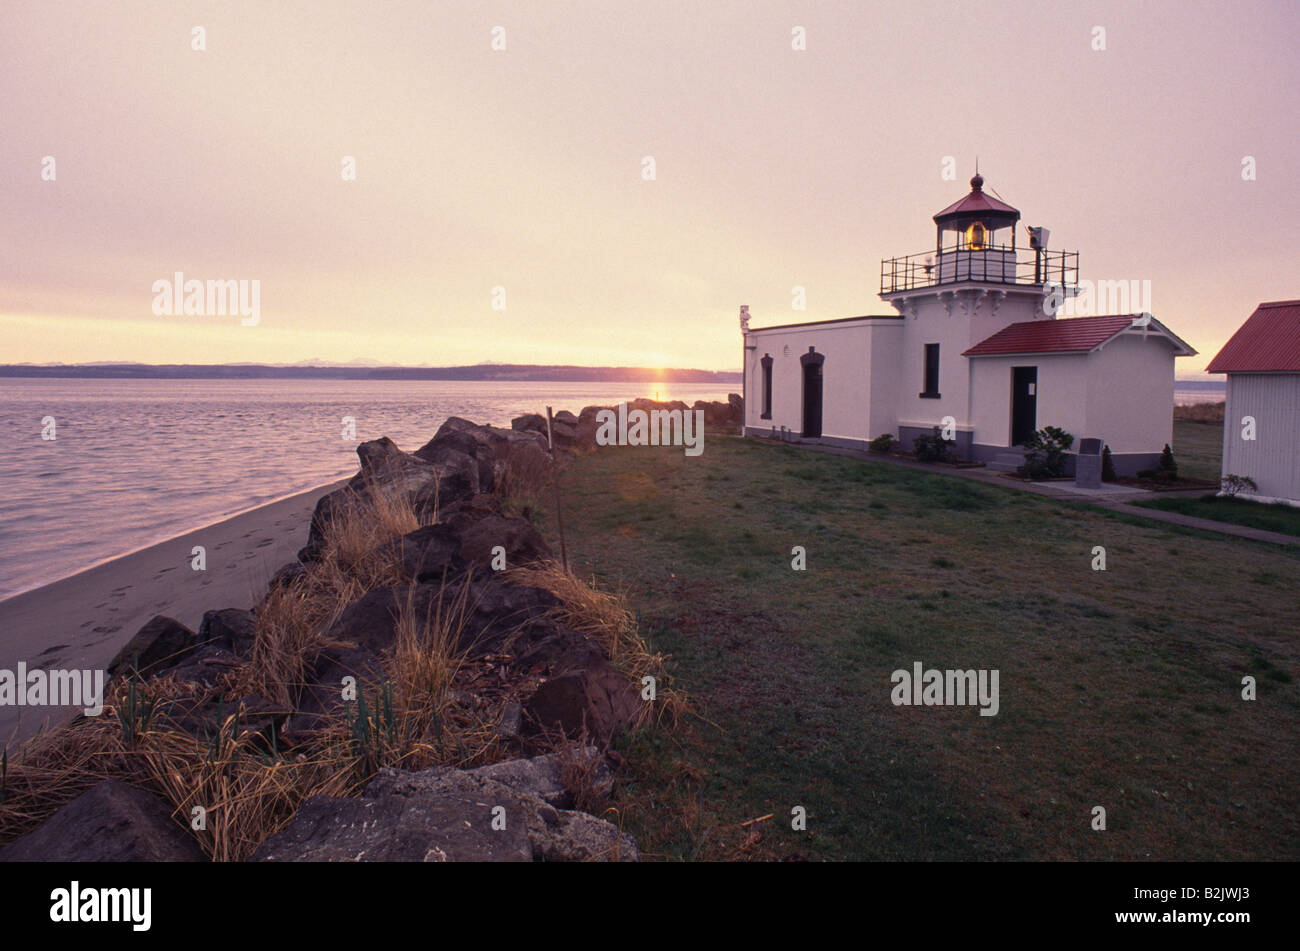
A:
<point x="1261" y="420"/>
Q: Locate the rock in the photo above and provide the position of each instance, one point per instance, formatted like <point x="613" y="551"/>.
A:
<point x="110" y="822"/>
<point x="530" y="422"/>
<point x="565" y="432"/>
<point x="441" y="815"/>
<point x="370" y="621"/>
<point x="161" y="643"/>
<point x="597" y="698"/>
<point x="717" y="414"/>
<point x="543" y="776"/>
<point x="231" y="628"/>
<point x="204" y="667"/>
<point x="579" y="837"/>
<point x="382" y="460"/>
<point x="737" y="405"/>
<point x="457" y="476"/>
<point x="424" y="484"/>
<point x="287" y="576"/>
<point x="330" y="508"/>
<point x="511" y="718"/>
<point x="426" y="554"/>
<point x="475" y="506"/>
<point x="522" y="463"/>
<point x="496" y="612"/>
<point x="479" y="534"/>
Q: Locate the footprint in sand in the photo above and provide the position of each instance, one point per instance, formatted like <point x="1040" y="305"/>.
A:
<point x="165" y="570"/>
<point x="107" y="630"/>
<point x="264" y="542"/>
<point x="51" y="650"/>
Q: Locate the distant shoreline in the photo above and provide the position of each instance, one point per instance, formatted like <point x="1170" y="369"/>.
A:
<point x="487" y="372"/>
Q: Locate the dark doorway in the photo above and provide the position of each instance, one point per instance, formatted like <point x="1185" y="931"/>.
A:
<point x="1024" y="403"/>
<point x="812" y="393"/>
<point x="767" y="386"/>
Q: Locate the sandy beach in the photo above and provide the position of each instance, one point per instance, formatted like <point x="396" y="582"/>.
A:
<point x="81" y="621"/>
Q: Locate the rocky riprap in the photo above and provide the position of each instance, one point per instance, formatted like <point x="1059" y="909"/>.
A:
<point x="543" y="679"/>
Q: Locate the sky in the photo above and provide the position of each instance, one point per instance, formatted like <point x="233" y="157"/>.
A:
<point x="503" y="208"/>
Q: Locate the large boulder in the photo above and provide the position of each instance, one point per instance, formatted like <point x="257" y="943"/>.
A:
<point x="543" y="776"/>
<point x="529" y="422"/>
<point x="162" y="642"/>
<point x="496" y="613"/>
<point x="202" y="669"/>
<point x="442" y="815"/>
<point x="330" y="509"/>
<point x="737" y="404"/>
<point x="480" y="534"/>
<point x="231" y="628"/>
<point x="596" y="699"/>
<point x="427" y="554"/>
<point x="371" y="621"/>
<point x="565" y="431"/>
<point x="110" y="822"/>
<point x="457" y="476"/>
<point x="428" y="486"/>
<point x="588" y="426"/>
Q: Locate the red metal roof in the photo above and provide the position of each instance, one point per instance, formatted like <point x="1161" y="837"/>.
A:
<point x="1052" y="336"/>
<point x="1269" y="341"/>
<point x="976" y="203"/>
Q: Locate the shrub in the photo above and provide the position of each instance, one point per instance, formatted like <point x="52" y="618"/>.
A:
<point x="932" y="447"/>
<point x="1232" y="484"/>
<point x="1167" y="464"/>
<point x="1045" y="453"/>
<point x="1107" y="465"/>
<point x="882" y="443"/>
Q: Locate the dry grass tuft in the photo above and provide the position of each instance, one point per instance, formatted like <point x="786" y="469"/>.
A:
<point x="524" y="471"/>
<point x="412" y="720"/>
<point x="607" y="620"/>
<point x="291" y="621"/>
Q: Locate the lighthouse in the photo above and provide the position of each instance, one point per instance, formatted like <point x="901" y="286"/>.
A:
<point x="974" y="347"/>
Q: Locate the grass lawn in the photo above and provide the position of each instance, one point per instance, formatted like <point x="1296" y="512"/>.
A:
<point x="1119" y="688"/>
<point x="1198" y="448"/>
<point x="1275" y="517"/>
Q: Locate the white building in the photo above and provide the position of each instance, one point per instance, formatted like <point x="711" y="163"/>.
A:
<point x="1261" y="419"/>
<point x="974" y="338"/>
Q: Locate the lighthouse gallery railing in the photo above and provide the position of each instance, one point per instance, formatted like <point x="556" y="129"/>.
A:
<point x="994" y="265"/>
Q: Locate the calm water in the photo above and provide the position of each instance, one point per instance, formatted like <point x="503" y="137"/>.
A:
<point x="1205" y="393"/>
<point x="139" y="461"/>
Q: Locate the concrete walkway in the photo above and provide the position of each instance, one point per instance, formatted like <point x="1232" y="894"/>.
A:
<point x="1113" y="498"/>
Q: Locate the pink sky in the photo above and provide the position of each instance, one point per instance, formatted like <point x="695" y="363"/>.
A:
<point x="522" y="168"/>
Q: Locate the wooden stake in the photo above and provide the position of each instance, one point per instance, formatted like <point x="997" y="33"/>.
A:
<point x="555" y="481"/>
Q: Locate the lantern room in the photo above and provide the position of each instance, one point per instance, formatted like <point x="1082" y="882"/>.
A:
<point x="976" y="238"/>
<point x="978" y="222"/>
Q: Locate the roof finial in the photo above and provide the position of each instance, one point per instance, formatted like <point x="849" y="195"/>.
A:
<point x="977" y="183"/>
